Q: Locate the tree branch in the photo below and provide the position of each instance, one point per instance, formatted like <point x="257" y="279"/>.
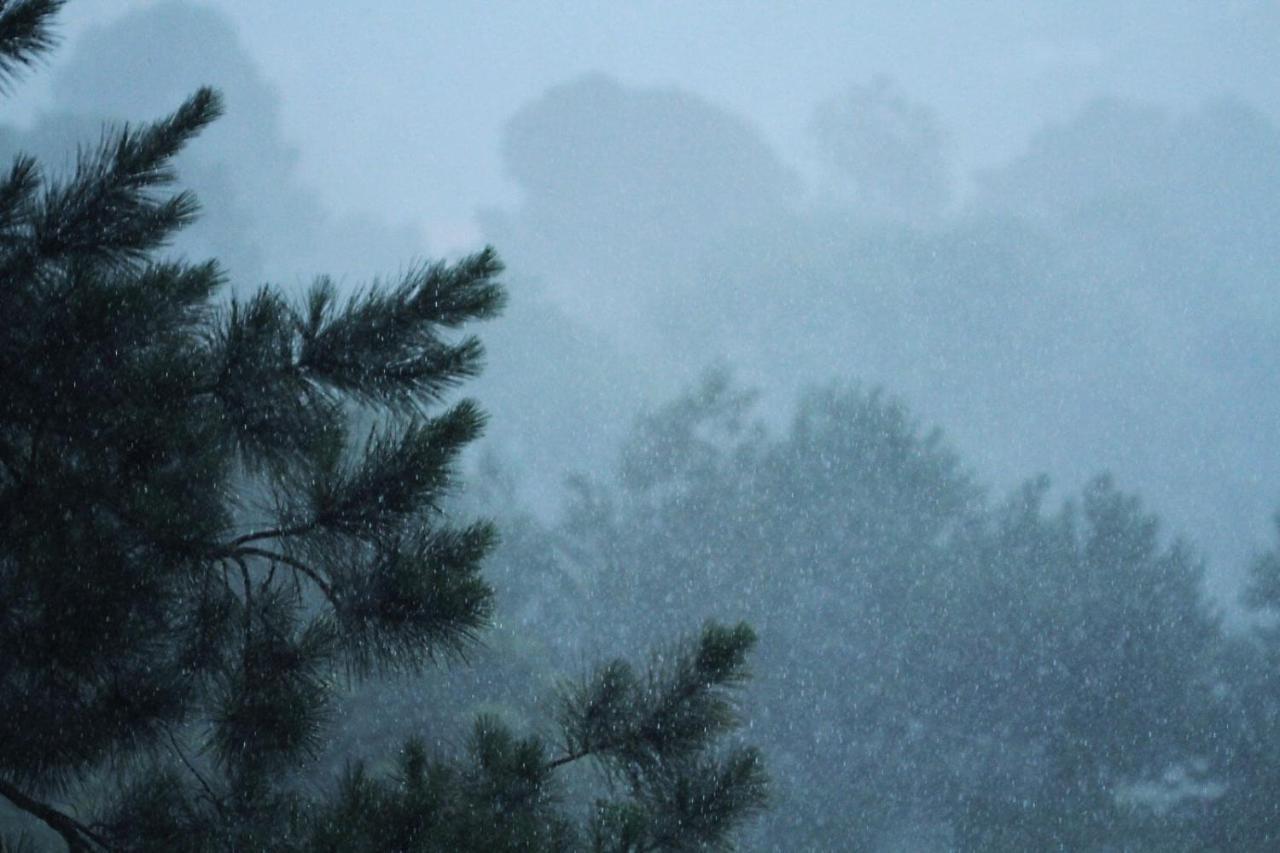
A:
<point x="248" y="597"/>
<point x="314" y="576"/>
<point x="272" y="533"/>
<point x="572" y="757"/>
<point x="77" y="836"/>
<point x="214" y="799"/>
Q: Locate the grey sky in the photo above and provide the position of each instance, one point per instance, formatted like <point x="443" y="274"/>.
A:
<point x="396" y="107"/>
<point x="656" y="143"/>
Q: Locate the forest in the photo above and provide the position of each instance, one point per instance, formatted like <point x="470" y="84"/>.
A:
<point x="693" y="501"/>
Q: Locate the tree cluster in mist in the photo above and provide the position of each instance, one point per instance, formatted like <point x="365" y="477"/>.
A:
<point x="951" y="649"/>
<point x="1099" y="303"/>
<point x="1103" y="302"/>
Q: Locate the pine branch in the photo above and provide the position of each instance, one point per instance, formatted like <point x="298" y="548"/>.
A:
<point x="297" y="565"/>
<point x="272" y="706"/>
<point x="384" y="348"/>
<point x="451" y="295"/>
<point x="275" y="412"/>
<point x="404" y="601"/>
<point x="25" y="33"/>
<point x="247" y="585"/>
<point x="575" y="756"/>
<point x="16" y="193"/>
<point x="274" y="533"/>
<point x="77" y="836"/>
<point x="701" y="801"/>
<point x="402" y="472"/>
<point x="213" y="798"/>
<point x="106" y="211"/>
<point x="678" y="712"/>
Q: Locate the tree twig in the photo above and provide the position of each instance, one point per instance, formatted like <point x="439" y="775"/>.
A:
<point x="272" y="533"/>
<point x="572" y="757"/>
<point x="208" y="789"/>
<point x="248" y="596"/>
<point x="314" y="576"/>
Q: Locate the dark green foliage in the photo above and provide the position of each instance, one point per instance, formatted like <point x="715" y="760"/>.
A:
<point x="647" y="723"/>
<point x="196" y="556"/>
<point x="399" y="471"/>
<point x="269" y="705"/>
<point x="382" y="348"/>
<point x="106" y="502"/>
<point x="499" y="799"/>
<point x="418" y="598"/>
<point x="154" y="811"/>
<point x="693" y="806"/>
<point x="653" y="731"/>
<point x="25" y="34"/>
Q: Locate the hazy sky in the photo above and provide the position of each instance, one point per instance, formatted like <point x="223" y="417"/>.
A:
<point x="398" y="113"/>
<point x="396" y="107"/>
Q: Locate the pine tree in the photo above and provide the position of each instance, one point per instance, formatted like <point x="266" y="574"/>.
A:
<point x="215" y="513"/>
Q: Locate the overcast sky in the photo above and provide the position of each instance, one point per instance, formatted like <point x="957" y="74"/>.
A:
<point x="641" y="198"/>
<point x="396" y="107"/>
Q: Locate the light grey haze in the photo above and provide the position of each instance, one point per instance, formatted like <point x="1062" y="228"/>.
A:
<point x="643" y="168"/>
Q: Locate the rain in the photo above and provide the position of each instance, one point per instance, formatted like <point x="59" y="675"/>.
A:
<point x="935" y="342"/>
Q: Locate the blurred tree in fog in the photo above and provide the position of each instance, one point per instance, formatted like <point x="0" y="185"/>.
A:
<point x="934" y="668"/>
<point x="640" y="184"/>
<point x="1247" y="722"/>
<point x="1123" y="269"/>
<point x="885" y="155"/>
<point x="1092" y="645"/>
<point x="213" y="513"/>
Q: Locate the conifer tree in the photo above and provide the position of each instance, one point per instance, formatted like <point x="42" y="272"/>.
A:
<point x="214" y="513"/>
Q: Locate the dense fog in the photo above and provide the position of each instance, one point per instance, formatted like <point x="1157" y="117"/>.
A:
<point x="937" y="342"/>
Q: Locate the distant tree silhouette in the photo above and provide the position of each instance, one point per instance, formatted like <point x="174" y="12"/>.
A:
<point x="885" y="152"/>
<point x="1247" y="717"/>
<point x="935" y="668"/>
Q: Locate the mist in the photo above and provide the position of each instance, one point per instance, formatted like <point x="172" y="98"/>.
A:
<point x="874" y="327"/>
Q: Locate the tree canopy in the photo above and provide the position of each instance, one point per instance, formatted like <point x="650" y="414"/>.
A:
<point x="217" y="513"/>
<point x="937" y="667"/>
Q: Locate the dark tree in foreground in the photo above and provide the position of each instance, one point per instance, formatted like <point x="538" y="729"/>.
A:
<point x="214" y="514"/>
